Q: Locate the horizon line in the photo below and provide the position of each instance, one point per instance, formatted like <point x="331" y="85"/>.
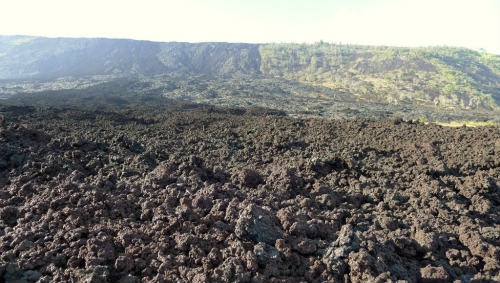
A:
<point x="481" y="50"/>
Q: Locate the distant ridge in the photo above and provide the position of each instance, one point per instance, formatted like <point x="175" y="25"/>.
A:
<point x="435" y="76"/>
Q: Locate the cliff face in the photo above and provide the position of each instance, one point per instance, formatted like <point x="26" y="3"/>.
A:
<point x="28" y="57"/>
<point x="211" y="58"/>
<point x="442" y="76"/>
<point x="32" y="57"/>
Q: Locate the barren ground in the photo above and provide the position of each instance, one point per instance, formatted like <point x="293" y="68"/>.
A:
<point x="190" y="194"/>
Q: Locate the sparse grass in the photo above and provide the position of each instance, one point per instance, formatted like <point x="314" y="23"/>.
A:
<point x="468" y="124"/>
<point x="421" y="120"/>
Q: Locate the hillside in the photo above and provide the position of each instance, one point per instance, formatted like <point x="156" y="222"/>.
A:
<point x="441" y="77"/>
<point x="46" y="58"/>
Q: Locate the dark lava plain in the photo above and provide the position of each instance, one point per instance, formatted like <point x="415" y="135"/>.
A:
<point x="191" y="193"/>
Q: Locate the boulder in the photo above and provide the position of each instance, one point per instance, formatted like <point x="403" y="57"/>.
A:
<point x="259" y="225"/>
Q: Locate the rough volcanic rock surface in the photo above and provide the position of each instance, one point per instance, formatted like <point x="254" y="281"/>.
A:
<point x="258" y="225"/>
<point x="204" y="194"/>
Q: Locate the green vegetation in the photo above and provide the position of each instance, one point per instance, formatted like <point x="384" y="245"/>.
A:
<point x="468" y="124"/>
<point x="434" y="76"/>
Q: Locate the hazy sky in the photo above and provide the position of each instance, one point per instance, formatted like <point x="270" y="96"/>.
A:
<point x="468" y="23"/>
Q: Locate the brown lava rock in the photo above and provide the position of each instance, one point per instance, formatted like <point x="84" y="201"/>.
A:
<point x="258" y="225"/>
<point x="431" y="274"/>
<point x="158" y="194"/>
<point x="250" y="178"/>
<point x="9" y="215"/>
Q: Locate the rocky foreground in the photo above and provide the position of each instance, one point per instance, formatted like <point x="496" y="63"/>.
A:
<point x="201" y="194"/>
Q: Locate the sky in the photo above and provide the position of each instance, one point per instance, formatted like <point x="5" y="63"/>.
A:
<point x="465" y="23"/>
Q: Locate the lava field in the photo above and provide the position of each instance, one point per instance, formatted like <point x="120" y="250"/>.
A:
<point x="203" y="194"/>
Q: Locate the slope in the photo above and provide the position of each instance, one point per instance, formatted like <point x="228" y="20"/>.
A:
<point x="438" y="77"/>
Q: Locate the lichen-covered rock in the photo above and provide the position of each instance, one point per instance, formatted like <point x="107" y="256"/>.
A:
<point x="12" y="273"/>
<point x="340" y="249"/>
<point x="259" y="225"/>
<point x="95" y="274"/>
<point x="31" y="275"/>
<point x="265" y="253"/>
